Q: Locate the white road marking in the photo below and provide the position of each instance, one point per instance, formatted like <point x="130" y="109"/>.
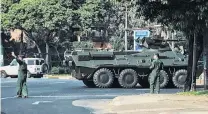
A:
<point x="8" y="81"/>
<point x="8" y="98"/>
<point x="7" y="86"/>
<point x="37" y="102"/>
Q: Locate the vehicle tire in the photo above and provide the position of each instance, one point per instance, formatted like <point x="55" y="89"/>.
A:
<point x="103" y="78"/>
<point x="3" y="74"/>
<point x="179" y="78"/>
<point x="164" y="79"/>
<point x="44" y="68"/>
<point x="13" y="76"/>
<point x="40" y="75"/>
<point x="89" y="83"/>
<point x="128" y="78"/>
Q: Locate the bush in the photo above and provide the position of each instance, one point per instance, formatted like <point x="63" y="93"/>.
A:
<point x="60" y="70"/>
<point x="55" y="70"/>
<point x="194" y="93"/>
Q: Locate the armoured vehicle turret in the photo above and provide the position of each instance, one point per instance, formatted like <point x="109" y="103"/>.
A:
<point x="106" y="68"/>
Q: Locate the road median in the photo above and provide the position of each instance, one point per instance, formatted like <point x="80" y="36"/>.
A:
<point x="67" y="76"/>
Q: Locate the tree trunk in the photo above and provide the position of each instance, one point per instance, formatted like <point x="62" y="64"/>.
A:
<point x="193" y="74"/>
<point x="32" y="39"/>
<point x="57" y="53"/>
<point x="39" y="50"/>
<point x="189" y="68"/>
<point x="47" y="55"/>
<point x="21" y="44"/>
<point x="199" y="49"/>
<point x="205" y="59"/>
<point x="194" y="54"/>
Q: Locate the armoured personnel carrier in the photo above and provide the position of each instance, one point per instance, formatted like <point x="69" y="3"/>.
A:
<point x="105" y="69"/>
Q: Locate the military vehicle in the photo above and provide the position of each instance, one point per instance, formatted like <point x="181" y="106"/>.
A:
<point x="105" y="69"/>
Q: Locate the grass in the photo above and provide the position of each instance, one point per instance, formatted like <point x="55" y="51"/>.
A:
<point x="195" y="93"/>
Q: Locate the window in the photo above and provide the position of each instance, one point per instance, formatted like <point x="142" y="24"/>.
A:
<point x="37" y="62"/>
<point x="30" y="62"/>
<point x="42" y="61"/>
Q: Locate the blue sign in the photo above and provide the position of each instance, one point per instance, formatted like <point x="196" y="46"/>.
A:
<point x="140" y="34"/>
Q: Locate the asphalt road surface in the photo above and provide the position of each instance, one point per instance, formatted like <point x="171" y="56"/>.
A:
<point x="55" y="96"/>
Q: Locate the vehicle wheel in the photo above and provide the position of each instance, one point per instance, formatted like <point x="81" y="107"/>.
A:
<point x="3" y="74"/>
<point x="103" y="78"/>
<point x="128" y="78"/>
<point x="40" y="75"/>
<point x="44" y="68"/>
<point x="13" y="76"/>
<point x="164" y="79"/>
<point x="89" y="83"/>
<point x="28" y="75"/>
<point x="179" y="78"/>
<point x="143" y="81"/>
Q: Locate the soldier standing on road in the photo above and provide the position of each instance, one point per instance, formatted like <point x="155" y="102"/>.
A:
<point x="22" y="77"/>
<point x="156" y="66"/>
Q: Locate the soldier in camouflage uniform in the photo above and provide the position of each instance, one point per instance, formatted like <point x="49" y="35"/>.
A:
<point x="156" y="66"/>
<point x="22" y="77"/>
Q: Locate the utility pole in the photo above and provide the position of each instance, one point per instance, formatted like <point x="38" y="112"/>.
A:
<point x="193" y="84"/>
<point x="126" y="22"/>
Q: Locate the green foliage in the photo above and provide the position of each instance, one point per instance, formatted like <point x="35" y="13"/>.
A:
<point x="35" y="15"/>
<point x="194" y="93"/>
<point x="55" y="70"/>
<point x="117" y="43"/>
<point x="59" y="70"/>
<point x="52" y="21"/>
<point x="85" y="44"/>
<point x="182" y="15"/>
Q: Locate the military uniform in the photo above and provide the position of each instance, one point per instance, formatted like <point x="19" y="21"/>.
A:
<point x="156" y="66"/>
<point x="22" y="78"/>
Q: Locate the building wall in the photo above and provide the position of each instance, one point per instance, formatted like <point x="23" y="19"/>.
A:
<point x="100" y="45"/>
<point x="16" y="35"/>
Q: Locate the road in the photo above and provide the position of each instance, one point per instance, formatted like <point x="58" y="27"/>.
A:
<point x="55" y="96"/>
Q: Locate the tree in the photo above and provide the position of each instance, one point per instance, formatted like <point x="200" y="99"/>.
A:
<point x="111" y="15"/>
<point x="43" y="17"/>
<point x="189" y="16"/>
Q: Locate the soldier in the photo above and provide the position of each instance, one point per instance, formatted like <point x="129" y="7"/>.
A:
<point x="156" y="66"/>
<point x="22" y="77"/>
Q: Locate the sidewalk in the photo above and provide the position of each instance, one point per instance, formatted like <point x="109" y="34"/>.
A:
<point x="58" y="77"/>
<point x="151" y="104"/>
<point x="159" y="104"/>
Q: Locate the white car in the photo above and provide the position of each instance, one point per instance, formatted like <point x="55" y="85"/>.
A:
<point x="36" y="68"/>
